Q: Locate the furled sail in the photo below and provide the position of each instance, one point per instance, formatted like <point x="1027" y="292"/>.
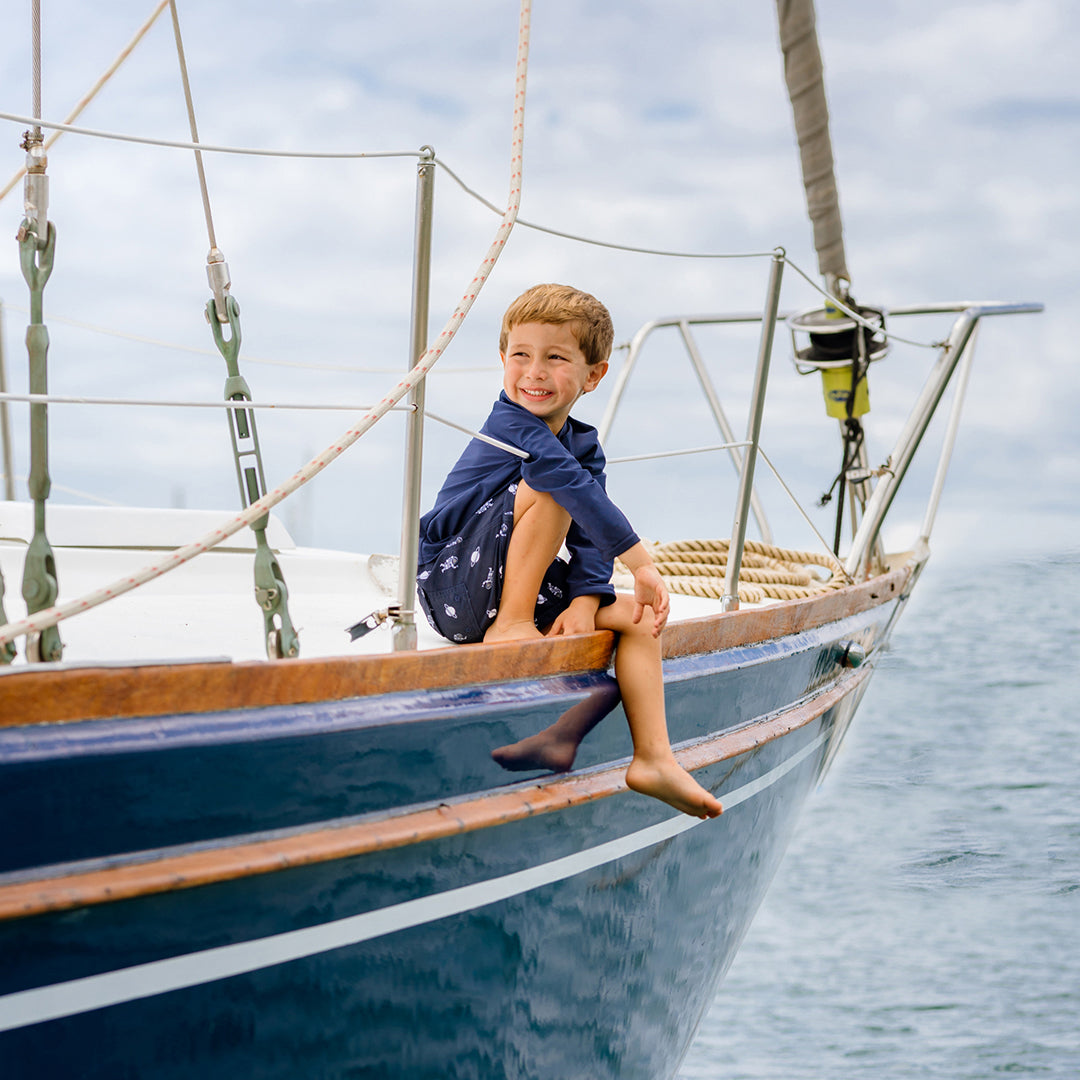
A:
<point x="806" y="90"/>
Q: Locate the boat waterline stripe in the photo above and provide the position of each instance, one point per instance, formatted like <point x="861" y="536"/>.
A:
<point x="27" y="1007"/>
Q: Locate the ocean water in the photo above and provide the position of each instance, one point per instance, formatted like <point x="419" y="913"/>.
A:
<point x="926" y="920"/>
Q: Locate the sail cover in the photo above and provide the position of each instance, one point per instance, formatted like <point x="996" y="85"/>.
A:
<point x="806" y="90"/>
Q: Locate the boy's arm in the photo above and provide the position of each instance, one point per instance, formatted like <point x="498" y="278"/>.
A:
<point x="649" y="588"/>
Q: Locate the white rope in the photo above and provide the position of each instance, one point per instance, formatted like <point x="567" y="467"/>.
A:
<point x="57" y="613"/>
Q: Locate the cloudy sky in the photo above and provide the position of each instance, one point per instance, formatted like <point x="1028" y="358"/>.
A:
<point x="661" y="125"/>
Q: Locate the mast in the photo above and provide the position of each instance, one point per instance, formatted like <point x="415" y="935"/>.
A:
<point x="806" y="90"/>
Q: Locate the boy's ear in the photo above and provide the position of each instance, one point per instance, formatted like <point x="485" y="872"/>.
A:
<point x="596" y="373"/>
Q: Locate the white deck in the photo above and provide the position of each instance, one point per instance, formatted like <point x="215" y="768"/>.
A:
<point x="206" y="608"/>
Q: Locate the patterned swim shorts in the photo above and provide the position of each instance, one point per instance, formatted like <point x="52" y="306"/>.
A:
<point x="461" y="588"/>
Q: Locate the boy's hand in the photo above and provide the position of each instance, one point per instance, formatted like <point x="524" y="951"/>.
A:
<point x="578" y="618"/>
<point x="650" y="591"/>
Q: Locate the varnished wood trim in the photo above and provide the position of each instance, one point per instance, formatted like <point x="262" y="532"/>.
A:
<point x="34" y="697"/>
<point x="321" y="844"/>
<point x="750" y="625"/>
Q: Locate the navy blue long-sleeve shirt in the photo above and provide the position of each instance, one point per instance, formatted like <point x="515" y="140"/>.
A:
<point x="568" y="466"/>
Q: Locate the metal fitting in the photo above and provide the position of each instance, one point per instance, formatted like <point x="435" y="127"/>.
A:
<point x="217" y="274"/>
<point x="36" y="187"/>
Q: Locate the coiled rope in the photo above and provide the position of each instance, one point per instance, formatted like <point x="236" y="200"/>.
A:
<point x="52" y="615"/>
<point x="767" y="572"/>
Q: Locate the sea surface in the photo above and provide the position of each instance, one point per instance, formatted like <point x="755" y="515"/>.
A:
<point x="926" y="919"/>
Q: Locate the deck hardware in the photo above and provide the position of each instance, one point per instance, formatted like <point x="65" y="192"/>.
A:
<point x="850" y="654"/>
<point x="404" y="635"/>
<point x="372" y="621"/>
<point x="39" y="585"/>
<point x="730" y="600"/>
<point x="271" y="593"/>
<point x="7" y="649"/>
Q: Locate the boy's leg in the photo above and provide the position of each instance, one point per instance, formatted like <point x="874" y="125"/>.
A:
<point x="540" y="527"/>
<point x="556" y="746"/>
<point x="654" y="770"/>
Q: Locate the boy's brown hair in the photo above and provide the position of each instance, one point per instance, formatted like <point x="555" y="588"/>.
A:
<point x="560" y="304"/>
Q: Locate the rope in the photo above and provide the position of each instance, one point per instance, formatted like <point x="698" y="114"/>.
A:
<point x="697" y="568"/>
<point x="56" y="613"/>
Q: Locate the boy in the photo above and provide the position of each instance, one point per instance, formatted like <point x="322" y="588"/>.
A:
<point x="489" y="567"/>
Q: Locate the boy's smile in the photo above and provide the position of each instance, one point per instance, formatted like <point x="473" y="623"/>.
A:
<point x="545" y="371"/>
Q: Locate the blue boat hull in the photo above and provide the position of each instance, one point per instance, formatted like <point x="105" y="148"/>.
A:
<point x="540" y="927"/>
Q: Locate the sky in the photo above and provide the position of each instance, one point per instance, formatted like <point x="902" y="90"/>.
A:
<point x="665" y="126"/>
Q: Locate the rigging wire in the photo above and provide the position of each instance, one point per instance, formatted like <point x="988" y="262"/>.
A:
<point x="58" y="612"/>
<point x="209" y="148"/>
<point x="91" y="93"/>
<point x="35" y="52"/>
<point x="193" y="126"/>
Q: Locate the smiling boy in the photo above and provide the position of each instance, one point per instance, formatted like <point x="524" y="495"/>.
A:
<point x="489" y="566"/>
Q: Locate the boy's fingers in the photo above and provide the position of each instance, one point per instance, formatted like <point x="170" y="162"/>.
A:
<point x="639" y="610"/>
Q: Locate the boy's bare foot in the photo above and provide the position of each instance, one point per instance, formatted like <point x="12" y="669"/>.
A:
<point x="556" y="746"/>
<point x="515" y="631"/>
<point x="667" y="780"/>
<point x="545" y="750"/>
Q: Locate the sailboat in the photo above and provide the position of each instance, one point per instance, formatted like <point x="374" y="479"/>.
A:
<point x="296" y="852"/>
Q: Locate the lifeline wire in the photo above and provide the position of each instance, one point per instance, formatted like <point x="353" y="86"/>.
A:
<point x="209" y="148"/>
<point x="51" y="616"/>
<point x="233" y="404"/>
<point x="600" y="243"/>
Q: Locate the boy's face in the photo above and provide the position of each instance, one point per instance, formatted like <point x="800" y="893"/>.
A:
<point x="545" y="371"/>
